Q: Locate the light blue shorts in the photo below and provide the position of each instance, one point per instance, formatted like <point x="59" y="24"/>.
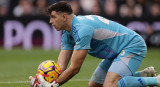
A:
<point x="125" y="64"/>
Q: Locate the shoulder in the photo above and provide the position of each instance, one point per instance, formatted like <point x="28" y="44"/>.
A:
<point x="82" y="28"/>
<point x="82" y="31"/>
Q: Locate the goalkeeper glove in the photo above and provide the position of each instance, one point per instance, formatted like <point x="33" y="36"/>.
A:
<point x="34" y="82"/>
<point x="45" y="83"/>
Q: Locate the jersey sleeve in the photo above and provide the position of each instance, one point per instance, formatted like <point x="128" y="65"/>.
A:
<point x="83" y="38"/>
<point x="66" y="43"/>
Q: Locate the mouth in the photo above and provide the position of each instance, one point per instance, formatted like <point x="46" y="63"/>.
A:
<point x="52" y="24"/>
<point x="55" y="27"/>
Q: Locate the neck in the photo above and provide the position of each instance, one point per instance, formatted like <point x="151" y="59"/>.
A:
<point x="69" y="22"/>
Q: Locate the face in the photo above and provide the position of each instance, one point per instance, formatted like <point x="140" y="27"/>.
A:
<point x="57" y="20"/>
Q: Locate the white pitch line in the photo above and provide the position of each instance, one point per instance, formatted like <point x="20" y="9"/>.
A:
<point x="10" y="82"/>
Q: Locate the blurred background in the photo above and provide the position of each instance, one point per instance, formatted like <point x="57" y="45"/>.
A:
<point x="27" y="38"/>
<point x="24" y="23"/>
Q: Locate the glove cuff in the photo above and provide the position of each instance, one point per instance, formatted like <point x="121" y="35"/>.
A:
<point x="55" y="84"/>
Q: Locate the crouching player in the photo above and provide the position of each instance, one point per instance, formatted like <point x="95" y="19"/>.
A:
<point x="121" y="49"/>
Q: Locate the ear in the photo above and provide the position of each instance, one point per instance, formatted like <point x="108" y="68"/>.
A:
<point x="65" y="17"/>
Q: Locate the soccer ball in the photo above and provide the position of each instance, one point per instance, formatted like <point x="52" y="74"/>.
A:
<point x="49" y="69"/>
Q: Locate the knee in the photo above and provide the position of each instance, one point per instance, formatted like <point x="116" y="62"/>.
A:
<point x="111" y="83"/>
<point x="90" y="84"/>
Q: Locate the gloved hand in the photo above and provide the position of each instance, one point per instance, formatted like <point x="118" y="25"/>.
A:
<point x="34" y="82"/>
<point x="45" y="83"/>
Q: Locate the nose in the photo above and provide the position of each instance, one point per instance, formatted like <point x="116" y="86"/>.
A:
<point x="50" y="21"/>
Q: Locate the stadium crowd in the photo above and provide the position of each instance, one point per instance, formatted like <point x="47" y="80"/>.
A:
<point x="111" y="9"/>
<point x="106" y="8"/>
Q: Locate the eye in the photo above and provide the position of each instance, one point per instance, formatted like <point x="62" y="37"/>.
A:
<point x="52" y="16"/>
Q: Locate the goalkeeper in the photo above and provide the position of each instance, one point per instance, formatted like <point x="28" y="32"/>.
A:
<point x="121" y="49"/>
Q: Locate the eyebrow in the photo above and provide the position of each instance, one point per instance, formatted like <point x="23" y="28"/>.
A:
<point x="52" y="16"/>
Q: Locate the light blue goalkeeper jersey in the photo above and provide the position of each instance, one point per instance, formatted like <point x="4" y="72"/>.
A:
<point x="102" y="37"/>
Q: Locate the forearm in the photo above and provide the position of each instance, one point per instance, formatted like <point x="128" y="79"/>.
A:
<point x="67" y="74"/>
<point x="64" y="58"/>
<point x="76" y="63"/>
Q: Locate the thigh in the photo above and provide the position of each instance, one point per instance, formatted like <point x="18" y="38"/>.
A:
<point x="116" y="71"/>
<point x="126" y="63"/>
<point x="101" y="71"/>
<point x="120" y="68"/>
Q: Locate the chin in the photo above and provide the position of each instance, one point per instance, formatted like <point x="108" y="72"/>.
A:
<point x="58" y="29"/>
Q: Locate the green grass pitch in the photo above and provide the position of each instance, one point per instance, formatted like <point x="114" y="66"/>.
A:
<point x="17" y="65"/>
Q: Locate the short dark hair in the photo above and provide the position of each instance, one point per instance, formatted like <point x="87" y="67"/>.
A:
<point x="61" y="6"/>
